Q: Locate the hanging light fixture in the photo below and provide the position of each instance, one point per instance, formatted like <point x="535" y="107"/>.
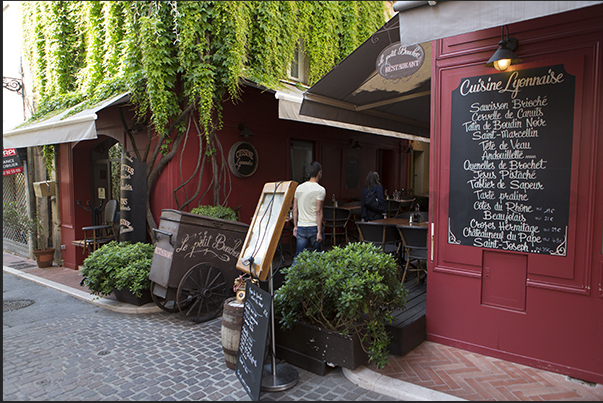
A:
<point x="245" y="132"/>
<point x="504" y="56"/>
<point x="409" y="149"/>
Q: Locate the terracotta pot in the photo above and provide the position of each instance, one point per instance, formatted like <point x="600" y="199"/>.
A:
<point x="44" y="257"/>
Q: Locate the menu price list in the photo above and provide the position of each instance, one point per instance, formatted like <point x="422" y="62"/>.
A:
<point x="252" y="341"/>
<point x="510" y="160"/>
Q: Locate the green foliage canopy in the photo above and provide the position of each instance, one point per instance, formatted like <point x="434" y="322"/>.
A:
<point x="171" y="54"/>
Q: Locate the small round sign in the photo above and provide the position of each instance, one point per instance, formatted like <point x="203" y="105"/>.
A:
<point x="243" y="159"/>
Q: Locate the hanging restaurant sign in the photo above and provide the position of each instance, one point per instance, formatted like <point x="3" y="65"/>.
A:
<point x="243" y="159"/>
<point x="397" y="61"/>
<point x="11" y="162"/>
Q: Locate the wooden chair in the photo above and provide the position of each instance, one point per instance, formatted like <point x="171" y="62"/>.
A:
<point x="335" y="223"/>
<point x="385" y="236"/>
<point x="96" y="236"/>
<point x="414" y="244"/>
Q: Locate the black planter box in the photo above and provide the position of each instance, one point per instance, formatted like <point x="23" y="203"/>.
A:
<point x="128" y="297"/>
<point x="313" y="348"/>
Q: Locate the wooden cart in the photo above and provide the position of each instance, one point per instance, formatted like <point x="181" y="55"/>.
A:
<point x="194" y="264"/>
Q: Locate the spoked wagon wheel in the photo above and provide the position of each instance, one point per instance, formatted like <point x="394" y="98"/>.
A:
<point x="201" y="292"/>
<point x="163" y="303"/>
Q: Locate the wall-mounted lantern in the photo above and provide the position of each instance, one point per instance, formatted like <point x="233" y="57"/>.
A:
<point x="504" y="56"/>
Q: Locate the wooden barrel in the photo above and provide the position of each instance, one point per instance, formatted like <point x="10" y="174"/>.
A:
<point x="232" y="318"/>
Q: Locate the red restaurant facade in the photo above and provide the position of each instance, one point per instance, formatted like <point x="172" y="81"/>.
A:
<point x="515" y="248"/>
<point x="273" y="140"/>
<point x="516" y="197"/>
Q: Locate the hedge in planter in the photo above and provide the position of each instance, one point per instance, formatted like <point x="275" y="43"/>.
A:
<point x="119" y="265"/>
<point x="350" y="290"/>
<point x="225" y="213"/>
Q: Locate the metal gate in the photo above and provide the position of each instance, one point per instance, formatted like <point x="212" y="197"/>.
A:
<point x="14" y="190"/>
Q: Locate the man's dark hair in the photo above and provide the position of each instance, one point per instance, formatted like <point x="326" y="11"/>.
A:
<point x="313" y="169"/>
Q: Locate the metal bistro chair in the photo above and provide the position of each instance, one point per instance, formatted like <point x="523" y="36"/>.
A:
<point x="405" y="205"/>
<point x="96" y="236"/>
<point x="406" y="214"/>
<point x="355" y="208"/>
<point x="393" y="207"/>
<point x="335" y="223"/>
<point x="385" y="236"/>
<point x="414" y="241"/>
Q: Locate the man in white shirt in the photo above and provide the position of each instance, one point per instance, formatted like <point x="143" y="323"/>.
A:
<point x="307" y="211"/>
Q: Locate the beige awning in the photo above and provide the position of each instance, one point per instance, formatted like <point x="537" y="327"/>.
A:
<point x="423" y="21"/>
<point x="289" y="104"/>
<point x="55" y="130"/>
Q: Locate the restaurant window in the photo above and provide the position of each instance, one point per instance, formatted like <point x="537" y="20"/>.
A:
<point x="302" y="154"/>
<point x="298" y="68"/>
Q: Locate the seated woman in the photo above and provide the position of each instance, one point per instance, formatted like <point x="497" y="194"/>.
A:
<point x="372" y="202"/>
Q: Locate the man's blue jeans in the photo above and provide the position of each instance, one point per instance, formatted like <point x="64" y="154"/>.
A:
<point x="306" y="239"/>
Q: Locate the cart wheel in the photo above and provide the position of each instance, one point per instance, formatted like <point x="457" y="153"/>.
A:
<point x="163" y="303"/>
<point x="201" y="292"/>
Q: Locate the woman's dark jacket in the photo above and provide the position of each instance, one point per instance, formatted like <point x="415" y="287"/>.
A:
<point x="366" y="213"/>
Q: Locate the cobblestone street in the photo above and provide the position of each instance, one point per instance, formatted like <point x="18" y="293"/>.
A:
<point x="104" y="355"/>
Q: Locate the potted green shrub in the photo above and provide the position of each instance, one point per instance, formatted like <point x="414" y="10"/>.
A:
<point x="121" y="268"/>
<point x="350" y="291"/>
<point x="15" y="218"/>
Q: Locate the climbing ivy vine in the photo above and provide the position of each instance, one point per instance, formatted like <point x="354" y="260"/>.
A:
<point x="178" y="56"/>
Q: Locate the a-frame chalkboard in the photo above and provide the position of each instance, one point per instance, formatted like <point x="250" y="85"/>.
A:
<point x="252" y="342"/>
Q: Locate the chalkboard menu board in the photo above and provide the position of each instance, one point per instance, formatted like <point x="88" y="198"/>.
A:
<point x="352" y="172"/>
<point x="510" y="160"/>
<point x="133" y="200"/>
<point x="252" y="342"/>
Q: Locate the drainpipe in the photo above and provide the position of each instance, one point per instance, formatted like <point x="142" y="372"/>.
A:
<point x="407" y="5"/>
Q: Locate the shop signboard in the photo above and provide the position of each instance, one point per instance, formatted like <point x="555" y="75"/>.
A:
<point x="11" y="162"/>
<point x="397" y="61"/>
<point x="243" y="159"/>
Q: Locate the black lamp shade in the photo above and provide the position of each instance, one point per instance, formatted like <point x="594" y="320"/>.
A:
<point x="504" y="51"/>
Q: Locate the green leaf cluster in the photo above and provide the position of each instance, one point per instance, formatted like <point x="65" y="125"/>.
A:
<point x="119" y="265"/>
<point x="350" y="290"/>
<point x="171" y="54"/>
<point x="225" y="213"/>
<point x="15" y="217"/>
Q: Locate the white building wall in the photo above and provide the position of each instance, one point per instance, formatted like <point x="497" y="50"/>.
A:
<point x="12" y="103"/>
